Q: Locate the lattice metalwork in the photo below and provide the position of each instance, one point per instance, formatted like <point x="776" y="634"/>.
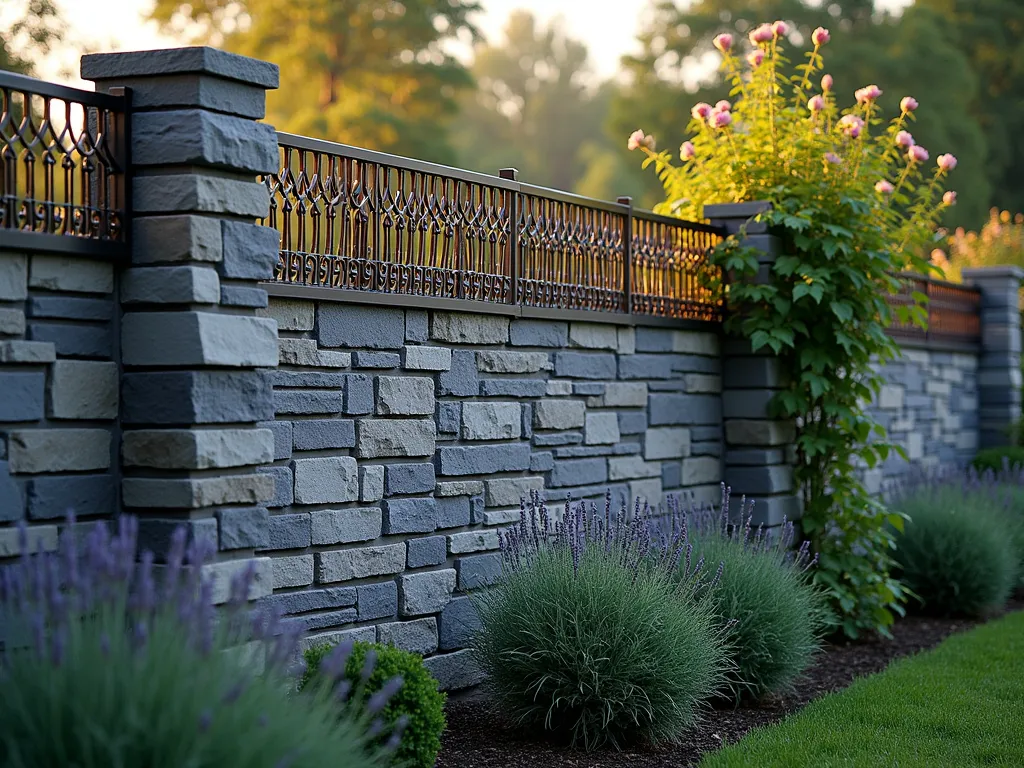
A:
<point x="63" y="155"/>
<point x="953" y="310"/>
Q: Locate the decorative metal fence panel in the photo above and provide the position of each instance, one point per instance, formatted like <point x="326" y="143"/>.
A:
<point x="63" y="162"/>
<point x="953" y="311"/>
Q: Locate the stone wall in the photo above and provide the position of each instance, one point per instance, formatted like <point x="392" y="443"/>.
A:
<point x="58" y="393"/>
<point x="404" y="440"/>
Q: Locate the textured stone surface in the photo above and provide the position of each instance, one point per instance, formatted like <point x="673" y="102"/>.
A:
<point x="666" y="443"/>
<point x="356" y="325"/>
<point x="371" y="483"/>
<point x="408" y="478"/>
<point x="244" y="528"/>
<point x="509" y="491"/>
<point x="317" y="402"/>
<point x="290" y="531"/>
<point x="173" y="239"/>
<point x="395" y="437"/>
<point x="461" y="380"/>
<point x="192" y="60"/>
<point x="413" y="515"/>
<point x="378" y="601"/>
<point x="424" y="593"/>
<point x="27" y="352"/>
<point x="460" y="328"/>
<point x="191" y="193"/>
<point x="60" y="273"/>
<point x="326" y="480"/>
<point x="457" y="624"/>
<point x="360" y="563"/>
<point x="539" y="333"/>
<point x="58" y="450"/>
<point x="601" y="429"/>
<point x="379" y="360"/>
<point x="455" y="671"/>
<point x="422" y="552"/>
<point x="306" y="352"/>
<point x="83" y="389"/>
<point x="585" y="365"/>
<point x="426" y="358"/>
<point x="559" y="414"/>
<point x="417" y="636"/>
<point x="13" y="276"/>
<point x="290" y="314"/>
<point x="593" y="336"/>
<point x="472" y="541"/>
<point x="701" y="470"/>
<point x="23" y="396"/>
<point x="201" y="137"/>
<point x="196" y="397"/>
<point x="578" y="472"/>
<point x="249" y="251"/>
<point x="484" y="459"/>
<point x="49" y="498"/>
<point x="198" y="448"/>
<point x="195" y="493"/>
<point x="459" y="488"/>
<point x="477" y="571"/>
<point x="170" y="285"/>
<point x="198" y="338"/>
<point x="405" y="396"/>
<point x="453" y="511"/>
<point x="296" y="571"/>
<point x="512" y="362"/>
<point x="491" y="421"/>
<point x="345" y="526"/>
<point x="321" y="434"/>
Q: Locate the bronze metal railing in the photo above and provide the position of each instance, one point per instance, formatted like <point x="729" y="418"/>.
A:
<point x="953" y="311"/>
<point x="360" y="220"/>
<point x="63" y="161"/>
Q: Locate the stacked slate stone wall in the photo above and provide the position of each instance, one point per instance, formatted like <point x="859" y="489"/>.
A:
<point x="405" y="438"/>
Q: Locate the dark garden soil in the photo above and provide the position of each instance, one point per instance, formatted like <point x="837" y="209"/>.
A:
<point x="478" y="736"/>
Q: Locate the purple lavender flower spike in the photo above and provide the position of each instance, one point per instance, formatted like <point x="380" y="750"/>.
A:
<point x="380" y="699"/>
<point x="368" y="665"/>
<point x="205" y="720"/>
<point x="335" y="661"/>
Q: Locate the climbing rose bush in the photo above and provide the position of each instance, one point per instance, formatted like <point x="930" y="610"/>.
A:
<point x="854" y="200"/>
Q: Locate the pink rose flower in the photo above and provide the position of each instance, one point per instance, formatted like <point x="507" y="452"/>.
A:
<point x="949" y="198"/>
<point x="723" y="42"/>
<point x="761" y="34"/>
<point x="908" y="103"/>
<point x="826" y="83"/>
<point x="946" y="162"/>
<point x="686" y="150"/>
<point x="851" y="125"/>
<point x="780" y="28"/>
<point x="833" y="158"/>
<point x="820" y="36"/>
<point x="723" y="106"/>
<point x="701" y="111"/>
<point x="867" y="94"/>
<point x="884" y="187"/>
<point x="720" y="119"/>
<point x="904" y="139"/>
<point x="917" y="154"/>
<point x="816" y="103"/>
<point x="754" y="58"/>
<point x="637" y="139"/>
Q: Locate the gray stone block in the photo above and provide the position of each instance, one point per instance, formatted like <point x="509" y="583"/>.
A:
<point x="685" y="409"/>
<point x="382" y="360"/>
<point x="432" y="550"/>
<point x="378" y="601"/>
<point x="176" y="61"/>
<point x="327" y="480"/>
<point x="462" y="328"/>
<point x="408" y="478"/>
<point x="426" y="358"/>
<point x="579" y="472"/>
<point x="462" y="379"/>
<point x="49" y="498"/>
<point x="318" y="401"/>
<point x="558" y="438"/>
<point x="27" y="352"/>
<point x="484" y="459"/>
<point x="198" y="338"/>
<point x="459" y="488"/>
<point x="701" y="470"/>
<point x="290" y="314"/>
<point x="417" y="636"/>
<point x="448" y="416"/>
<point x="759" y="480"/>
<point x="602" y="428"/>
<point x="356" y="325"/>
<point x="513" y="387"/>
<point x="199" y="137"/>
<point x="405" y="396"/>
<point x="71" y="308"/>
<point x="34" y="451"/>
<point x="417" y="325"/>
<point x="71" y="274"/>
<point x="157" y="535"/>
<point x="243" y="296"/>
<point x="321" y="434"/>
<point x="23" y="396"/>
<point x="631" y="467"/>
<point x="527" y="420"/>
<point x="453" y="511"/>
<point x="509" y="491"/>
<point x="653" y="339"/>
<point x="311" y="622"/>
<point x="196" y="492"/>
<point x="358" y="394"/>
<point x="305" y="352"/>
<point x="345" y="526"/>
<point x="194" y="193"/>
<point x="478" y="571"/>
<point x="632" y="422"/>
<point x="309" y="379"/>
<point x="753" y="372"/>
<point x="284" y="484"/>
<point x="395" y="437"/>
<point x="296" y="571"/>
<point x="173" y="239"/>
<point x="290" y="531"/>
<point x="13" y="276"/>
<point x="539" y="333"/>
<point x="244" y="528"/>
<point x="745" y="403"/>
<point x="312" y="600"/>
<point x="250" y="251"/>
<point x="197" y="448"/>
<point x="359" y="563"/>
<point x="543" y="461"/>
<point x="410" y="516"/>
<point x="282" y="431"/>
<point x="423" y="593"/>
<point x="491" y="421"/>
<point x="455" y="671"/>
<point x="196" y="397"/>
<point x="671" y="474"/>
<point x="588" y="388"/>
<point x="584" y="365"/>
<point x="647" y="367"/>
<point x="559" y="414"/>
<point x="478" y="512"/>
<point x="473" y="541"/>
<point x="667" y="443"/>
<point x="193" y="90"/>
<point x="371" y="483"/>
<point x="75" y="340"/>
<point x="12" y="503"/>
<point x="506" y="361"/>
<point x="458" y="624"/>
<point x="754" y="457"/>
<point x="574" y="451"/>
<point x="171" y="285"/>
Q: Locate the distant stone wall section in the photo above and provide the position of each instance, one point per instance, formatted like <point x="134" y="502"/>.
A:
<point x="404" y="440"/>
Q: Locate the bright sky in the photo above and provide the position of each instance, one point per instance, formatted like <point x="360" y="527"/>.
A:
<point x="608" y="27"/>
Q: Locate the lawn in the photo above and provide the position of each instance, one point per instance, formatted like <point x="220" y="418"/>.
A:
<point x="961" y="705"/>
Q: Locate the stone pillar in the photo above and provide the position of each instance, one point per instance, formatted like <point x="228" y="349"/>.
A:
<point x="195" y="355"/>
<point x="999" y="374"/>
<point x="758" y="450"/>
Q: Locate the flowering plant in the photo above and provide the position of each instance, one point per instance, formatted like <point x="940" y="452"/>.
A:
<point x="853" y="200"/>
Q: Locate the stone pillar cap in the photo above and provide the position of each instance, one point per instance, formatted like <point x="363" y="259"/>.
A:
<point x="736" y="210"/>
<point x="1002" y="271"/>
<point x="193" y="60"/>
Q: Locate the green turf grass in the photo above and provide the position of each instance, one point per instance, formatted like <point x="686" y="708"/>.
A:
<point x="959" y="705"/>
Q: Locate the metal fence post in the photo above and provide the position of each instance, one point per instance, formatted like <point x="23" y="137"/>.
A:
<point x="515" y="257"/>
<point x="627" y="255"/>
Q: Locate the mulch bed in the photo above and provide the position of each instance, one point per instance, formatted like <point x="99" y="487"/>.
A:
<point x="478" y="736"/>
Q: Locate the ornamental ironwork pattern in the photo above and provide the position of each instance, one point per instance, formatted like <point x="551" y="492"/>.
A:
<point x="953" y="310"/>
<point x="63" y="154"/>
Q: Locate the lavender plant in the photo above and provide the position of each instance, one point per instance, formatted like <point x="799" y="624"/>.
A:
<point x="105" y="664"/>
<point x="961" y="549"/>
<point x="588" y="638"/>
<point x="764" y="602"/>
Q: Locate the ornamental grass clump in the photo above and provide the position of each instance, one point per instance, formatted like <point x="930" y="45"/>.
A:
<point x="773" y="616"/>
<point x="104" y="664"/>
<point x="956" y="552"/>
<point x="418" y="705"/>
<point x="853" y="200"/>
<point x="588" y="638"/>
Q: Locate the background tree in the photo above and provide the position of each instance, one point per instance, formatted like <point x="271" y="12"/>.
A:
<point x="361" y="72"/>
<point x="30" y="30"/>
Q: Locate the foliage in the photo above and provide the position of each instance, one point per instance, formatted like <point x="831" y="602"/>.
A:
<point x="773" y="616"/>
<point x="958" y="705"/>
<point x="954" y="553"/>
<point x="118" y="670"/>
<point x="994" y="459"/>
<point x="377" y="75"/>
<point x="852" y="201"/>
<point x="587" y="638"/>
<point x="418" y="702"/>
<point x="29" y="34"/>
